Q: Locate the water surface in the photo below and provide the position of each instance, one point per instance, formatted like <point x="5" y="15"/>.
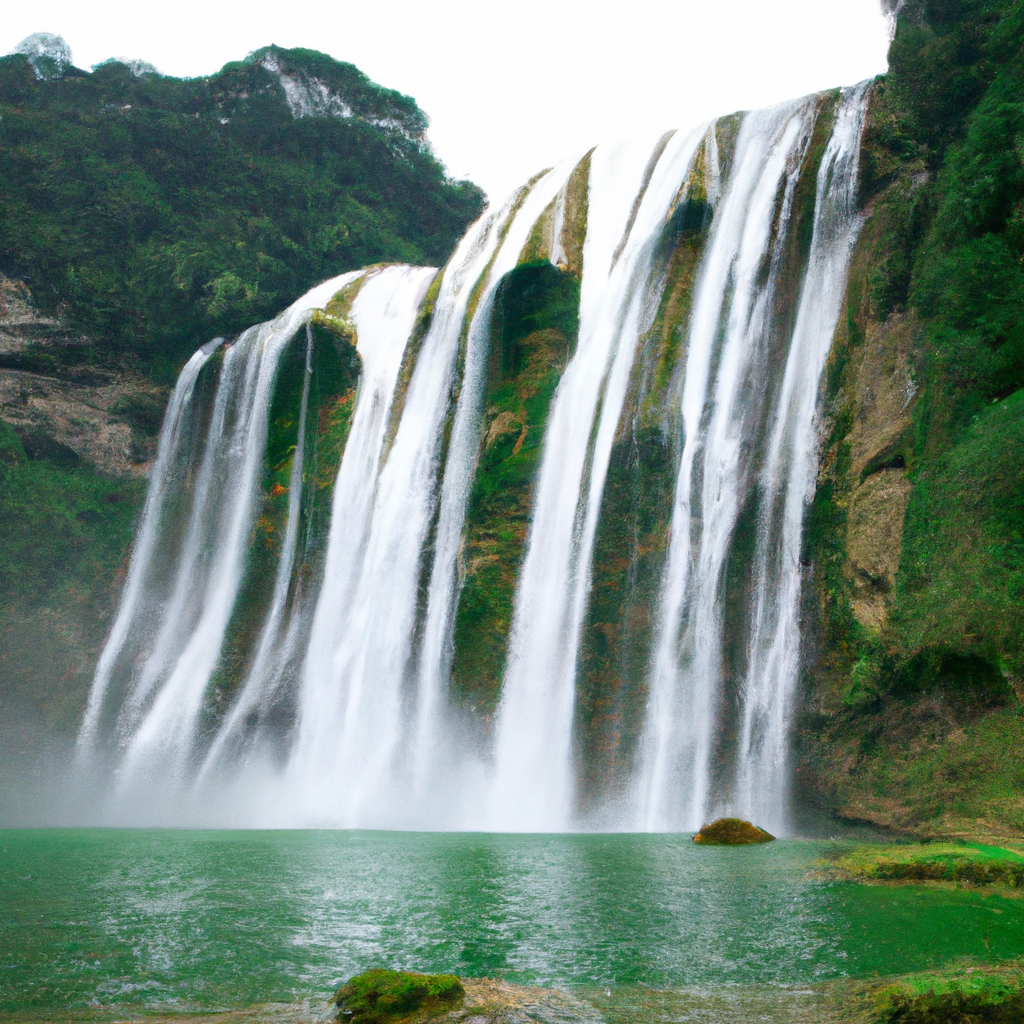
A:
<point x="175" y="920"/>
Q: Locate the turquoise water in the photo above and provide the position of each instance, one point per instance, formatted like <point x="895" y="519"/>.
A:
<point x="207" y="920"/>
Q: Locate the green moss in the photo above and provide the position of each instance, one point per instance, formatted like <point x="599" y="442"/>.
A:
<point x="976" y="863"/>
<point x="380" y="995"/>
<point x="963" y="993"/>
<point x="533" y="333"/>
<point x="731" y="832"/>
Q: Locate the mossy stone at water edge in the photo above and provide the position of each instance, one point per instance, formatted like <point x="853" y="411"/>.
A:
<point x="731" y="832"/>
<point x="976" y="863"/>
<point x="380" y="995"/>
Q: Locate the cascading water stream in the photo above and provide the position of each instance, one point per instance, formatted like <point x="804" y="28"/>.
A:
<point x="274" y="649"/>
<point x="159" y="714"/>
<point x="726" y="328"/>
<point x="727" y="373"/>
<point x="532" y="784"/>
<point x="382" y="315"/>
<point x="139" y="609"/>
<point x="787" y="479"/>
<point x="435" y="658"/>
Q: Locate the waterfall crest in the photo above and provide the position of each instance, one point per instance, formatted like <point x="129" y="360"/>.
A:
<point x="323" y="506"/>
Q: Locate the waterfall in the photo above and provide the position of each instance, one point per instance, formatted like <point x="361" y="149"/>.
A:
<point x="286" y="632"/>
<point x="170" y="665"/>
<point x="788" y="478"/>
<point x="458" y="476"/>
<point x="533" y="773"/>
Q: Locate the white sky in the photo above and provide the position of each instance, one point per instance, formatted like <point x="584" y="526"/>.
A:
<point x="512" y="86"/>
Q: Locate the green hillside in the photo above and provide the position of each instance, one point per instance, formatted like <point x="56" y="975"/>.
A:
<point x="159" y="212"/>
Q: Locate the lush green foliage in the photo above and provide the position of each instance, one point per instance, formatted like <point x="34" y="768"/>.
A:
<point x="380" y="995"/>
<point x="962" y="567"/>
<point x="160" y="212"/>
<point x="961" y="590"/>
<point x="62" y="524"/>
<point x="65" y="532"/>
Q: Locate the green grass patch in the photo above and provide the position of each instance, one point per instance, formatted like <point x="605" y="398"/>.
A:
<point x="933" y="862"/>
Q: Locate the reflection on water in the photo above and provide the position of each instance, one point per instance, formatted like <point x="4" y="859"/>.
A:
<point x="162" y="919"/>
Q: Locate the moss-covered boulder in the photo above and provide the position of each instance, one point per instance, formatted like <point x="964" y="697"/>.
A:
<point x="377" y="996"/>
<point x="731" y="832"/>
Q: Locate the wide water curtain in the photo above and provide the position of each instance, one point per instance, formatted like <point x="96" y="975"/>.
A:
<point x="514" y="544"/>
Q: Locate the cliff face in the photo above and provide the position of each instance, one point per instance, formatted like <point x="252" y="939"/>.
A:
<point x="142" y="216"/>
<point x="916" y="535"/>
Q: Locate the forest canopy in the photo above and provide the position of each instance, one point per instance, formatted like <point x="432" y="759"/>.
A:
<point x="155" y="213"/>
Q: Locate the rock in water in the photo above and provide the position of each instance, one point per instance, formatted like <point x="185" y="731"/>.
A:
<point x="377" y="996"/>
<point x="731" y="832"/>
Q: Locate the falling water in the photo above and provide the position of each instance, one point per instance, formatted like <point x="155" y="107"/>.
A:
<point x="726" y="373"/>
<point x="361" y="650"/>
<point x="533" y="773"/>
<point x="788" y="478"/>
<point x="168" y="672"/>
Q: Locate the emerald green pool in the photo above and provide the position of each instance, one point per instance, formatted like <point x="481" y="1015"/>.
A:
<point x="172" y="920"/>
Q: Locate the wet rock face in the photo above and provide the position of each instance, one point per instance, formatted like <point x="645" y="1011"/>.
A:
<point x="106" y="419"/>
<point x="731" y="832"/>
<point x="107" y="425"/>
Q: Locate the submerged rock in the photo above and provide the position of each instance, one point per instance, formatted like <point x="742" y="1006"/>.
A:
<point x="731" y="832"/>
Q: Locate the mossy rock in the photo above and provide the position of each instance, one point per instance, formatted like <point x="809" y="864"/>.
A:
<point x="959" y="994"/>
<point x="731" y="832"/>
<point x="378" y="995"/>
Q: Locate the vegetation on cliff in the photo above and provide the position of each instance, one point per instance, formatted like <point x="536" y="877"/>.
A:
<point x="917" y="529"/>
<point x="534" y="331"/>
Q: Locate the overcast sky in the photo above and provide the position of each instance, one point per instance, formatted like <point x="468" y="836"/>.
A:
<point x="512" y="86"/>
